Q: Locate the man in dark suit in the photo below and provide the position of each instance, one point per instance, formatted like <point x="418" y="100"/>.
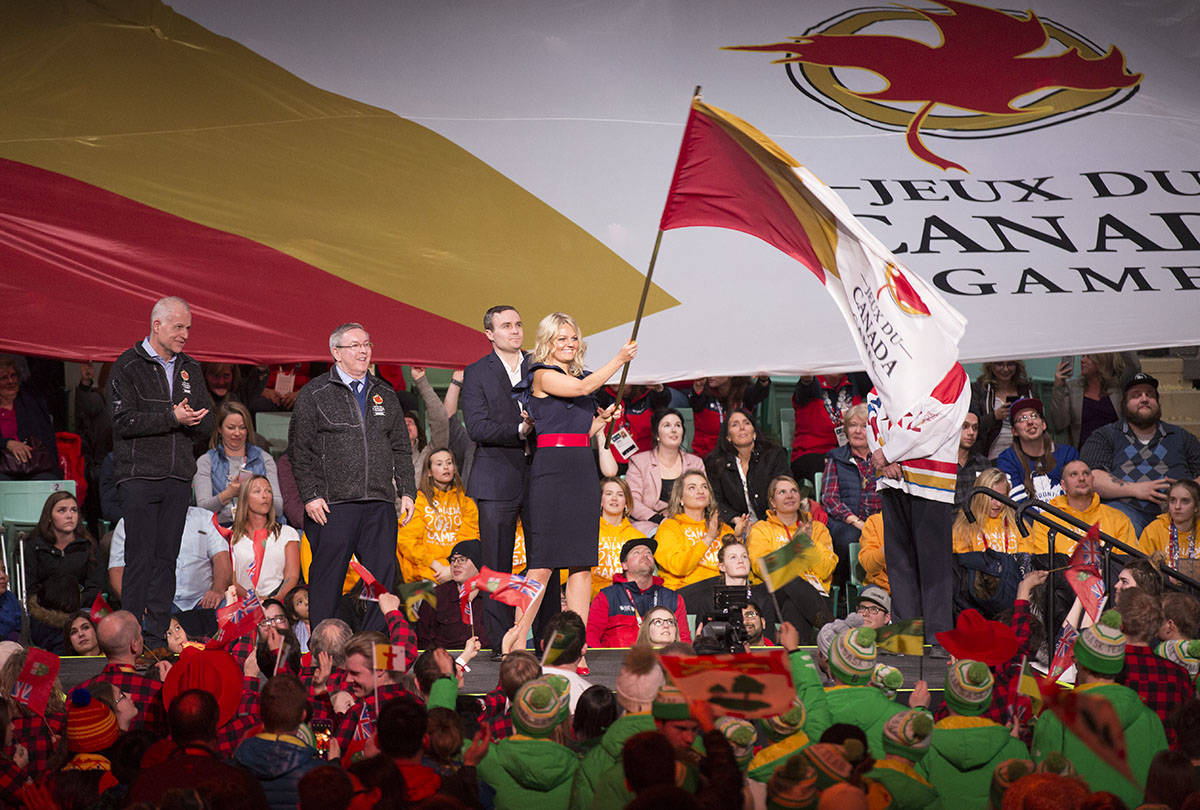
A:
<point x="502" y="434"/>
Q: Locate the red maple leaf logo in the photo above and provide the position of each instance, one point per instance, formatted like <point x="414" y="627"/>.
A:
<point x="982" y="64"/>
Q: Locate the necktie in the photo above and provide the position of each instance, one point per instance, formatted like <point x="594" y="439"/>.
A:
<point x="357" y="387"/>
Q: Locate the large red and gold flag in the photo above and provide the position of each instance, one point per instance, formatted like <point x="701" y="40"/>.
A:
<point x="730" y="175"/>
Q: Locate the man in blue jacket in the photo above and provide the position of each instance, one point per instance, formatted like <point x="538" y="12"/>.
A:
<point x="160" y="405"/>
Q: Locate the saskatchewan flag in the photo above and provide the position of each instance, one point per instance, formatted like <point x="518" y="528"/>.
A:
<point x="905" y="638"/>
<point x="789" y="561"/>
<point x="413" y="593"/>
<point x="563" y="637"/>
<point x="1027" y="685"/>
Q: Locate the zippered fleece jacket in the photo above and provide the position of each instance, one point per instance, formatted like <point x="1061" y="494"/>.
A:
<point x="341" y="455"/>
<point x="148" y="442"/>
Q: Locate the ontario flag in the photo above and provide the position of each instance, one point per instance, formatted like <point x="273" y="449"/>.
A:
<point x="237" y="620"/>
<point x="1064" y="652"/>
<point x="36" y="680"/>
<point x="100" y="609"/>
<point x="371" y="587"/>
<point x="511" y="589"/>
<point x="1083" y="573"/>
<point x="730" y="175"/>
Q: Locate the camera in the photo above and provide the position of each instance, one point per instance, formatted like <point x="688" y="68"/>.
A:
<point x="724" y="629"/>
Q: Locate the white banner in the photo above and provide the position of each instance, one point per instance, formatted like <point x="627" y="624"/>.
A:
<point x="1072" y="226"/>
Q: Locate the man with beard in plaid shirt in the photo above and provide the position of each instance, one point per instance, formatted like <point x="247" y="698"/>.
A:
<point x="120" y="638"/>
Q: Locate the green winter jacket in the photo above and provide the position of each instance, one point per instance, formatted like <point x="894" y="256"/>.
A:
<point x="865" y="707"/>
<point x="807" y="679"/>
<point x="963" y="753"/>
<point x="612" y="794"/>
<point x="909" y="789"/>
<point x="604" y="755"/>
<point x="1144" y="737"/>
<point x="526" y="773"/>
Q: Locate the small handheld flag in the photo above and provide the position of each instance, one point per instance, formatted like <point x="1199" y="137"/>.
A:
<point x="789" y="561"/>
<point x="389" y="657"/>
<point x="36" y="680"/>
<point x="100" y="609"/>
<point x="371" y="587"/>
<point x="412" y="594"/>
<point x="511" y="589"/>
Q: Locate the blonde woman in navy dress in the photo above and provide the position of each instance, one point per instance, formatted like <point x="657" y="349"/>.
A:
<point x="564" y="483"/>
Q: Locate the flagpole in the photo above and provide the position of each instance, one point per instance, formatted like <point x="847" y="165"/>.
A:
<point x="637" y="321"/>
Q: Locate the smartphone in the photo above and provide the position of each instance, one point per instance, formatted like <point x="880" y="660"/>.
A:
<point x="1011" y="400"/>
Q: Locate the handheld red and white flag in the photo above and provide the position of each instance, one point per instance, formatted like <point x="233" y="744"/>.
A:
<point x="371" y="587"/>
<point x="511" y="589"/>
<point x="1083" y="573"/>
<point x="36" y="680"/>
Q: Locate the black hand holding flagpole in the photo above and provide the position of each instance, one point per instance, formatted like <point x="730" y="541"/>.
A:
<point x="637" y="321"/>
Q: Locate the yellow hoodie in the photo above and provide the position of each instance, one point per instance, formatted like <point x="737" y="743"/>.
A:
<point x="684" y="555"/>
<point x="433" y="530"/>
<point x="770" y="534"/>
<point x="1112" y="522"/>
<point x="611" y="539"/>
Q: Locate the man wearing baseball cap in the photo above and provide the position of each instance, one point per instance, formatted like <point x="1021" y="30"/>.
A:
<point x="616" y="613"/>
<point x="875" y="606"/>
<point x="1034" y="463"/>
<point x="1135" y="459"/>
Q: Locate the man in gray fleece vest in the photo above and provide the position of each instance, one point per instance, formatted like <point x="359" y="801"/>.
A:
<point x="350" y="454"/>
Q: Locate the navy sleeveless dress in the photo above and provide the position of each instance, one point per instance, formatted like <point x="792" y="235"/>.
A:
<point x="564" y="483"/>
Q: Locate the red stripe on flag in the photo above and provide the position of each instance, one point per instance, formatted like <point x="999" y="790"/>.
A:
<point x="718" y="184"/>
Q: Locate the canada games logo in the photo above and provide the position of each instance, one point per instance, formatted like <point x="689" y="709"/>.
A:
<point x="962" y="71"/>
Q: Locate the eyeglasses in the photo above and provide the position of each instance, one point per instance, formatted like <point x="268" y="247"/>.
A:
<point x="122" y="696"/>
<point x="750" y="614"/>
<point x="662" y="622"/>
<point x="272" y="620"/>
<point x="357" y="347"/>
<point x="870" y="610"/>
<point x="1029" y="417"/>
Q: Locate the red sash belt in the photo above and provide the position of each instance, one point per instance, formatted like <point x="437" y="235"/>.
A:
<point x="563" y="440"/>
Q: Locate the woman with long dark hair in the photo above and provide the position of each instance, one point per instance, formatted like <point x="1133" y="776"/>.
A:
<point x="443" y="516"/>
<point x="60" y="546"/>
<point x="1000" y="383"/>
<point x="742" y="466"/>
<point x="1034" y="463"/>
<point x="652" y="473"/>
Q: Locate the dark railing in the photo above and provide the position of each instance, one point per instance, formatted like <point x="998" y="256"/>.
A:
<point x="1034" y="511"/>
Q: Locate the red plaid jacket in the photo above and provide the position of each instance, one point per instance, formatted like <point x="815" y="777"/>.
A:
<point x="401" y="634"/>
<point x="145" y="691"/>
<point x="37" y="736"/>
<point x="495" y="714"/>
<point x="245" y="720"/>
<point x="12" y="779"/>
<point x="343" y="730"/>
<point x="1161" y="684"/>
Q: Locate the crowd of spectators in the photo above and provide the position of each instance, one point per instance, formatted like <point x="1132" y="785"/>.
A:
<point x="171" y="720"/>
